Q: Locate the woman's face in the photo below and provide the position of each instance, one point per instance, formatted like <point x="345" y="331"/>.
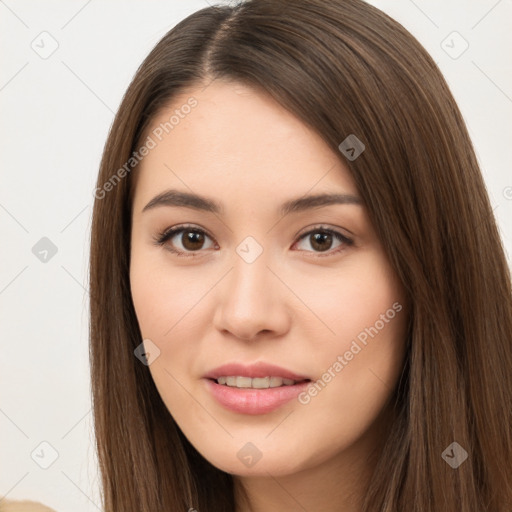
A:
<point x="262" y="276"/>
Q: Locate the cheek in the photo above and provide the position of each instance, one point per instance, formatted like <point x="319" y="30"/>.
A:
<point x="350" y="300"/>
<point x="169" y="305"/>
<point x="370" y="304"/>
<point x="164" y="305"/>
<point x="362" y="363"/>
<point x="164" y="299"/>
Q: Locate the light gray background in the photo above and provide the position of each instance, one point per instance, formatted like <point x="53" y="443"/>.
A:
<point x="56" y="113"/>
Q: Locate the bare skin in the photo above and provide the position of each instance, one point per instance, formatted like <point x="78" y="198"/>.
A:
<point x="300" y="304"/>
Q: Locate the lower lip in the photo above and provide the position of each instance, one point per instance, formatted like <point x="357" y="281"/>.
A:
<point x="254" y="401"/>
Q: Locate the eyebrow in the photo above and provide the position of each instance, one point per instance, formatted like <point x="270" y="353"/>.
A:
<point x="178" y="198"/>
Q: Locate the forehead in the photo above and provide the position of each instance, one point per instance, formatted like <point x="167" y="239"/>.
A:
<point x="230" y="138"/>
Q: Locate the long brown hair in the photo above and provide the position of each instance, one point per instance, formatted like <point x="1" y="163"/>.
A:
<point x="343" y="67"/>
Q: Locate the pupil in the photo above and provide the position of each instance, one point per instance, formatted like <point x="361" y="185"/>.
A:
<point x="321" y="238"/>
<point x="193" y="240"/>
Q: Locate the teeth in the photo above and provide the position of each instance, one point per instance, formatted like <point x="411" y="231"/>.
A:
<point x="242" y="382"/>
<point x="256" y="383"/>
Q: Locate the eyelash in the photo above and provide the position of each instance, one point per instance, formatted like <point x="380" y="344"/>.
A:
<point x="161" y="238"/>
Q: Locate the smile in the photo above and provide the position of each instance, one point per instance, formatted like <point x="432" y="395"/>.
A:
<point x="255" y="383"/>
<point x="254" y="400"/>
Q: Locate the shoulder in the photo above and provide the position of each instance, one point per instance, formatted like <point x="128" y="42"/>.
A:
<point x="22" y="506"/>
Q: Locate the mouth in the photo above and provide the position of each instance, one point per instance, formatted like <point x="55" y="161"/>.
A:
<point x="249" y="400"/>
<point x="259" y="375"/>
<point x="257" y="388"/>
<point x="242" y="382"/>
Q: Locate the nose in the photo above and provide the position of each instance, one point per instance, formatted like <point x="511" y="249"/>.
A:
<point x="253" y="302"/>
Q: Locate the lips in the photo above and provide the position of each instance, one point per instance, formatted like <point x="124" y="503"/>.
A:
<point x="255" y="370"/>
<point x="256" y="383"/>
<point x="231" y="385"/>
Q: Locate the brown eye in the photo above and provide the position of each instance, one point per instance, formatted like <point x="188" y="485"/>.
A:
<point x="321" y="241"/>
<point x="184" y="241"/>
<point x="192" y="240"/>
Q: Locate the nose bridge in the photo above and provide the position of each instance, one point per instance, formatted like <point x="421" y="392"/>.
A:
<point x="251" y="299"/>
<point x="250" y="278"/>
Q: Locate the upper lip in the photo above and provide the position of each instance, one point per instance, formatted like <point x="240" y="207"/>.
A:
<point x="259" y="369"/>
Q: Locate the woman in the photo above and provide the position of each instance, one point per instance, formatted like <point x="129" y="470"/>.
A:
<point x="333" y="333"/>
